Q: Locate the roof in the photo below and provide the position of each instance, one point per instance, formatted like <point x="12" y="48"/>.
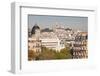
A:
<point x="34" y="28"/>
<point x="46" y="30"/>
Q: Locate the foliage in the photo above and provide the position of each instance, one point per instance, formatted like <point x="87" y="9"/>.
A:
<point x="50" y="54"/>
<point x="64" y="54"/>
<point x="31" y="55"/>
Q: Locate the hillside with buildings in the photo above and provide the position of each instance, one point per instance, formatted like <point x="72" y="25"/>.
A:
<point x="56" y="43"/>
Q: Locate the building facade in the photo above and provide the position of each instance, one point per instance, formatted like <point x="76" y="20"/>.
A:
<point x="40" y="39"/>
<point x="80" y="46"/>
<point x="34" y="44"/>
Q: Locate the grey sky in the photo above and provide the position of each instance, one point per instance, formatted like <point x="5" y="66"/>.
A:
<point x="76" y="23"/>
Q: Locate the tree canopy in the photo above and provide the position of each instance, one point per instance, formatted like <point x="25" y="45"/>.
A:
<point x="50" y="54"/>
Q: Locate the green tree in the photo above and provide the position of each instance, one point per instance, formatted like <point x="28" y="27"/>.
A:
<point x="67" y="52"/>
<point x="48" y="54"/>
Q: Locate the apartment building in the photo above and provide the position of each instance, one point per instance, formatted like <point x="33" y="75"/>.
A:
<point x="80" y="46"/>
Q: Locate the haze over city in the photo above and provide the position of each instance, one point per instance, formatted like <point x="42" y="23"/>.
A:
<point x="44" y="21"/>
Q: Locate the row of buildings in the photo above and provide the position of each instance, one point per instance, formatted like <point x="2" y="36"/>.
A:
<point x="58" y="38"/>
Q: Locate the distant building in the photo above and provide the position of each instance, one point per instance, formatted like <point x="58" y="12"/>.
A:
<point x="35" y="31"/>
<point x="45" y="38"/>
<point x="80" y="46"/>
<point x="65" y="35"/>
<point x="50" y="40"/>
<point x="34" y="43"/>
